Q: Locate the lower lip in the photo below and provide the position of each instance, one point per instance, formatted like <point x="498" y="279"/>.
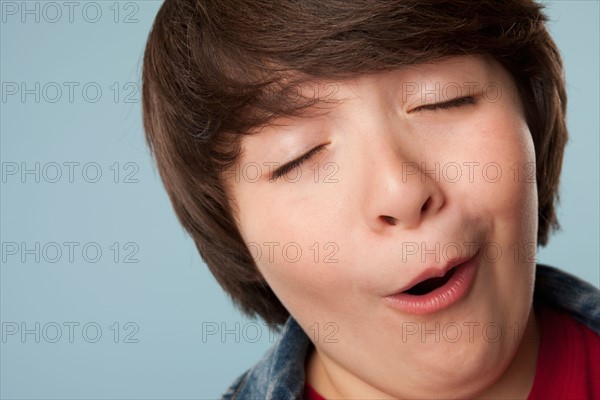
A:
<point x="455" y="289"/>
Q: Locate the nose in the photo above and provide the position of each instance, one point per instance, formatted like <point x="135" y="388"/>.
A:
<point x="402" y="190"/>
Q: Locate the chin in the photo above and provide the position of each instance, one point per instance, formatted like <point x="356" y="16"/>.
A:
<point x="463" y="370"/>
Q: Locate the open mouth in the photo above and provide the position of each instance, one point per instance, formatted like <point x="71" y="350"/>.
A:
<point x="433" y="294"/>
<point x="430" y="284"/>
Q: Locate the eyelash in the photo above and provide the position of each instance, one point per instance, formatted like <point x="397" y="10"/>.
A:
<point x="286" y="168"/>
<point x="455" y="103"/>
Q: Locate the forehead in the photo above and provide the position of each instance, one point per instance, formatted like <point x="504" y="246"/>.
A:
<point x="443" y="75"/>
<point x="437" y="80"/>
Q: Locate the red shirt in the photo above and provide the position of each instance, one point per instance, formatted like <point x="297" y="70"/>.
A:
<point x="568" y="365"/>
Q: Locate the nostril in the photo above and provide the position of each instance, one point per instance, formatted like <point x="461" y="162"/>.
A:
<point x="426" y="205"/>
<point x="389" y="220"/>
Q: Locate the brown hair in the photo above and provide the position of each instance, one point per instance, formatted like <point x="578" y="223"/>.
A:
<point x="215" y="69"/>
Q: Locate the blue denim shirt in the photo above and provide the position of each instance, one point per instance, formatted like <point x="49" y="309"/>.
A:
<point x="280" y="373"/>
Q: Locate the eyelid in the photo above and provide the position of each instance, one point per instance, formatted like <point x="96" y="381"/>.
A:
<point x="295" y="163"/>
<point x="443" y="105"/>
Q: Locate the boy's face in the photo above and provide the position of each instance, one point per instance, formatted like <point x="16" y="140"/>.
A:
<point x="399" y="193"/>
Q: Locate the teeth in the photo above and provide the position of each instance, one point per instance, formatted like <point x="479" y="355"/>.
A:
<point x="431" y="284"/>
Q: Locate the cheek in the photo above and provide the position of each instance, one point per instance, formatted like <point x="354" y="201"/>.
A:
<point x="295" y="244"/>
<point x="506" y="195"/>
<point x="506" y="184"/>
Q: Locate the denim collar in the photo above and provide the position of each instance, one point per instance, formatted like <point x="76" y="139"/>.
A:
<point x="575" y="296"/>
<point x="280" y="373"/>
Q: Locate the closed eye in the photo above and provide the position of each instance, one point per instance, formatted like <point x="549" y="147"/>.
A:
<point x="444" y="105"/>
<point x="297" y="162"/>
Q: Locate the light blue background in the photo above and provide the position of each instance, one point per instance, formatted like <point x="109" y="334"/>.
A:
<point x="168" y="294"/>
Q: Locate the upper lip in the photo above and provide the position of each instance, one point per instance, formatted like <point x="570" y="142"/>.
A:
<point x="434" y="272"/>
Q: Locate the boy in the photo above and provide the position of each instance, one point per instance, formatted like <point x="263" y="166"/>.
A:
<point x="375" y="176"/>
